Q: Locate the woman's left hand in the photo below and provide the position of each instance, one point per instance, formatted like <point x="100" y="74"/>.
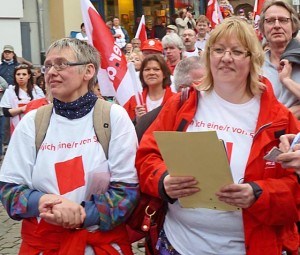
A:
<point x="239" y="195"/>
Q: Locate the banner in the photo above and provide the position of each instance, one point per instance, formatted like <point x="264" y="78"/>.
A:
<point x="113" y="76"/>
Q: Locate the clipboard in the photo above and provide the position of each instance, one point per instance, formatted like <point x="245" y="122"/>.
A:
<point x="198" y="154"/>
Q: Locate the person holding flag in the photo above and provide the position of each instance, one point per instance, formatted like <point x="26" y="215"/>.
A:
<point x="155" y="79"/>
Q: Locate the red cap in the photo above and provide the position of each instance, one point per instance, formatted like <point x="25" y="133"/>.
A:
<point x="152" y="44"/>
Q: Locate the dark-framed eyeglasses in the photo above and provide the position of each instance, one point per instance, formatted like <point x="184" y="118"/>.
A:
<point x="61" y="66"/>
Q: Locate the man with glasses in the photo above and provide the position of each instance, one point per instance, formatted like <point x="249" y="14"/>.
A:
<point x="279" y="25"/>
<point x="189" y="42"/>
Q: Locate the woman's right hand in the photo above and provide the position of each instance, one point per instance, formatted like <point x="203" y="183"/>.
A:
<point x="180" y="186"/>
<point x="57" y="210"/>
<point x="140" y="110"/>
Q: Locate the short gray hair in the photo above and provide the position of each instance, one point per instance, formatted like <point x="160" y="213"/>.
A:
<point x="83" y="52"/>
<point x="182" y="69"/>
<point x="172" y="39"/>
<point x="285" y="5"/>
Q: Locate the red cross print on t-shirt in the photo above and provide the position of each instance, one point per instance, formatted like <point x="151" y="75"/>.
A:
<point x="70" y="175"/>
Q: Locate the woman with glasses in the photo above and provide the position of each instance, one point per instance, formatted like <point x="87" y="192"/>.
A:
<point x="17" y="95"/>
<point x="232" y="96"/>
<point x="73" y="194"/>
<point x="279" y="24"/>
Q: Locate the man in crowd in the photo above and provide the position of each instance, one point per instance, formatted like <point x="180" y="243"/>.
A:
<point x="189" y="40"/>
<point x="136" y="43"/>
<point x="173" y="48"/>
<point x="119" y="33"/>
<point x="279" y="24"/>
<point x="203" y="29"/>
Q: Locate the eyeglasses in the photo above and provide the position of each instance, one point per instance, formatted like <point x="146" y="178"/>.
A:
<point x="281" y="21"/>
<point x="61" y="66"/>
<point x="235" y="54"/>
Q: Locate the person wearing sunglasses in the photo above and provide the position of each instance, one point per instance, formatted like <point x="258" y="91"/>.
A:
<point x="72" y="197"/>
<point x="279" y="24"/>
<point x="231" y="96"/>
<point x="19" y="94"/>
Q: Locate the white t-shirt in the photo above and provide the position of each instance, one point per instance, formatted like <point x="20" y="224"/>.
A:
<point x="70" y="143"/>
<point x="121" y="42"/>
<point x="213" y="232"/>
<point x="10" y="100"/>
<point x="152" y="104"/>
<point x="81" y="37"/>
<point x="187" y="54"/>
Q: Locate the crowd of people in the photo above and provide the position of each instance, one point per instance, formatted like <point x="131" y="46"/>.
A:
<point x="76" y="190"/>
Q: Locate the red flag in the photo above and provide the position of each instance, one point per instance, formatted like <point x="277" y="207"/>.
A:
<point x="141" y="31"/>
<point x="213" y="13"/>
<point x="257" y="9"/>
<point x="258" y="6"/>
<point x="113" y="76"/>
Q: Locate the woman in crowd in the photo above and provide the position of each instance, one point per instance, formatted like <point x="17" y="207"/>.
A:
<point x="17" y="96"/>
<point x="136" y="57"/>
<point x="231" y="94"/>
<point x="71" y="195"/>
<point x="155" y="79"/>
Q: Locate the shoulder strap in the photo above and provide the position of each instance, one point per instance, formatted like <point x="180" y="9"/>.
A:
<point x="101" y="117"/>
<point x="42" y="120"/>
<point x="101" y="120"/>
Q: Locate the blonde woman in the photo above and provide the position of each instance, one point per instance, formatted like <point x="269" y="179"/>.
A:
<point x="232" y="94"/>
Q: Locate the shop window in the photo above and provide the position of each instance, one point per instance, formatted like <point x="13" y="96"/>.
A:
<point x="111" y="9"/>
<point x="156" y="11"/>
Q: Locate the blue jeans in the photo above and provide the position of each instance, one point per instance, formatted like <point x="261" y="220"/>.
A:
<point x="1" y="134"/>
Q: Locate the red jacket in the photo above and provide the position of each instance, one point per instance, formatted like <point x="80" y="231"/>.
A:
<point x="270" y="221"/>
<point x="131" y="104"/>
<point x="49" y="239"/>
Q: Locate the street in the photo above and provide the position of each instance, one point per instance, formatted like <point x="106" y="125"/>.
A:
<point x="9" y="234"/>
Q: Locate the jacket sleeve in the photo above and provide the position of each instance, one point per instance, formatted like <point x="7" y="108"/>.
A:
<point x="149" y="163"/>
<point x="279" y="202"/>
<point x="127" y="39"/>
<point x="182" y="22"/>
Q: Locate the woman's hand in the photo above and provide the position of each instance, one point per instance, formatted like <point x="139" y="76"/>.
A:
<point x="60" y="211"/>
<point x="239" y="195"/>
<point x="182" y="186"/>
<point x="140" y="110"/>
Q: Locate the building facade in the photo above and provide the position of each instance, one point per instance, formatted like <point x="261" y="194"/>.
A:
<point x="31" y="25"/>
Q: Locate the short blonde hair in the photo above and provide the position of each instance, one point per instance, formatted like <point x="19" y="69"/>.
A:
<point x="244" y="32"/>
